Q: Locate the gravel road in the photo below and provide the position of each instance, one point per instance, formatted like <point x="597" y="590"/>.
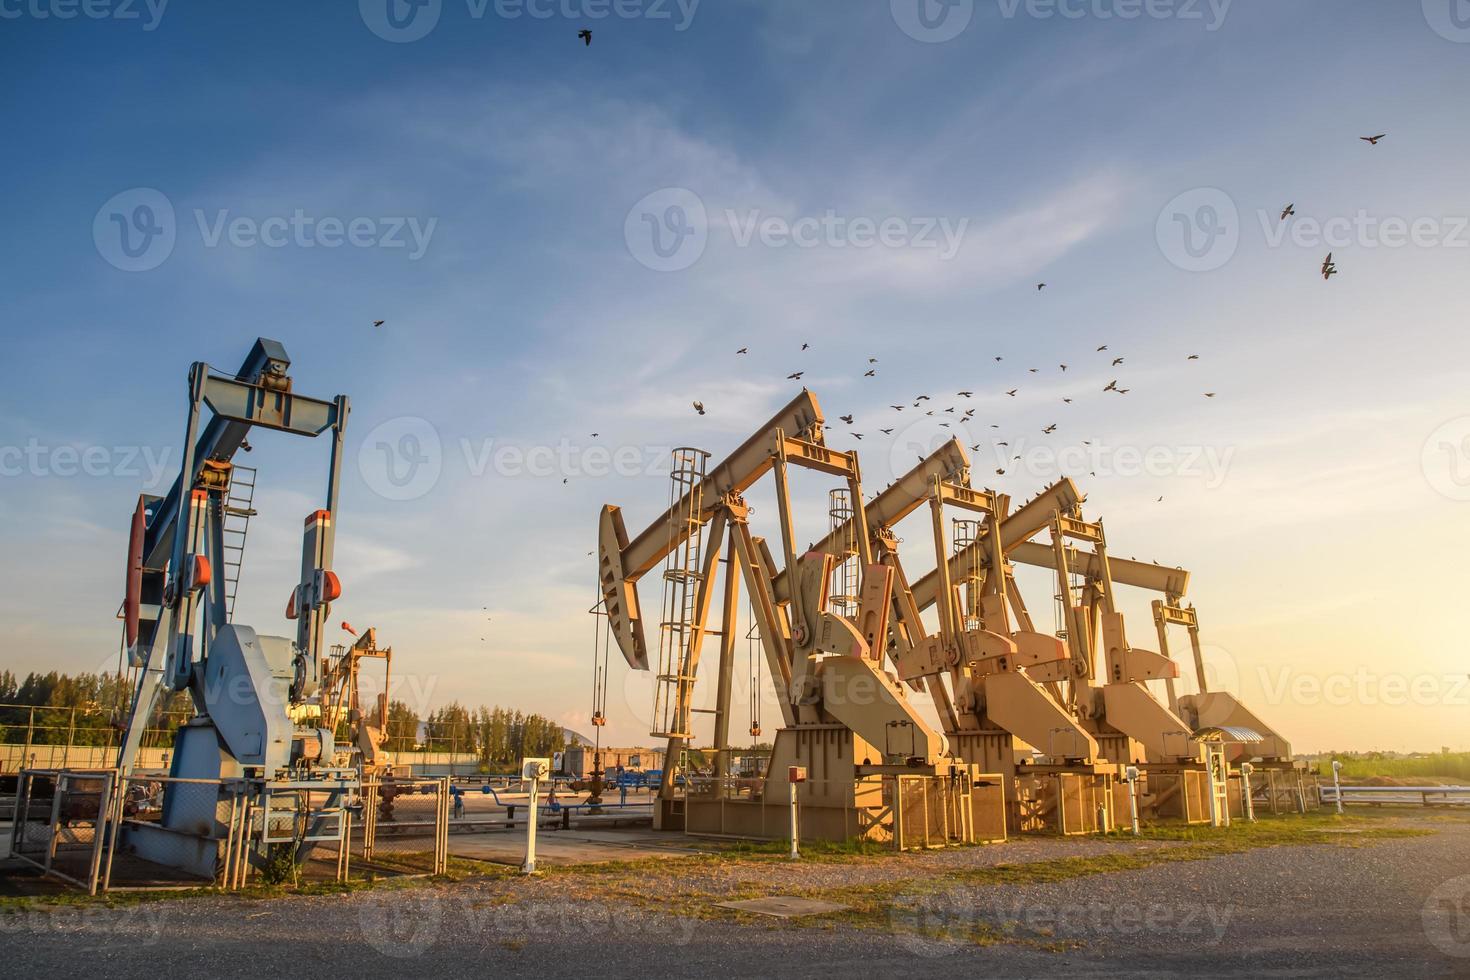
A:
<point x="1388" y="908"/>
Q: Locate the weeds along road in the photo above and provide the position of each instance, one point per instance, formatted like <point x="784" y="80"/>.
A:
<point x="1377" y="895"/>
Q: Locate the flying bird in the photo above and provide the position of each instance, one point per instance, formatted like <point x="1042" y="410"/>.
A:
<point x="886" y="432"/>
<point x="1117" y="361"/>
<point x="1192" y="357"/>
<point x="1209" y="394"/>
<point x="1329" y="268"/>
<point x="1012" y="392"/>
<point x="1103" y="348"/>
<point x="379" y="323"/>
<point x="1040" y="286"/>
<point x="870" y="374"/>
<point x="872" y="360"/>
<point x="743" y="350"/>
<point x="1288" y="211"/>
<point x="805" y="346"/>
<point x="699" y="407"/>
<point x="1062" y="366"/>
<point x="1112" y="385"/>
<point x="1372" y="140"/>
<point x="1049" y="429"/>
<point x="846" y="418"/>
<point x="795" y="375"/>
<point x="965" y="394"/>
<point x="586" y="37"/>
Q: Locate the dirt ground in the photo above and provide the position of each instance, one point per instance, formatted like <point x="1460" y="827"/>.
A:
<point x="1380" y="894"/>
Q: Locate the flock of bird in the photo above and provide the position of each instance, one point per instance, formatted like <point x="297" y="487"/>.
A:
<point x="1329" y="269"/>
<point x="958" y="415"/>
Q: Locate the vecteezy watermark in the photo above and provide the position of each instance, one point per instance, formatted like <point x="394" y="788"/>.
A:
<point x="404" y="21"/>
<point x="1450" y="19"/>
<point x="400" y="924"/>
<point x="833" y="230"/>
<point x="937" y="21"/>
<point x="1052" y="457"/>
<point x="407" y="923"/>
<point x="139" y="925"/>
<point x="1283" y="684"/>
<point x="148" y="12"/>
<point x="1446" y="917"/>
<point x="136" y="230"/>
<point x="932" y="21"/>
<point x="39" y="460"/>
<point x="934" y="925"/>
<point x="1445" y="459"/>
<point x="404" y="458"/>
<point x="669" y="230"/>
<point x="1364" y="230"/>
<point x="1199" y="230"/>
<point x="1211" y="13"/>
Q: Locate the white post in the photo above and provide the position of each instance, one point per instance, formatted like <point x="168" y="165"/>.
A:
<point x="1245" y="791"/>
<point x="1337" y="784"/>
<point x="1130" y="774"/>
<point x="532" y="770"/>
<point x="795" y="849"/>
<point x="794" y="775"/>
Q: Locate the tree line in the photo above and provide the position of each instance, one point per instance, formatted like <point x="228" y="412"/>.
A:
<point x="494" y="736"/>
<point x="85" y="709"/>
<point x="91" y="709"/>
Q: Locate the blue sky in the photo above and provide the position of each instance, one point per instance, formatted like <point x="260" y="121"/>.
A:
<point x="1318" y="498"/>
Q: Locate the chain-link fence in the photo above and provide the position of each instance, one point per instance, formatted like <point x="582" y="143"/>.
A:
<point x="401" y="828"/>
<point x="58" y="823"/>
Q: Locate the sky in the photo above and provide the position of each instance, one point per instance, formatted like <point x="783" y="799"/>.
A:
<point x="564" y="239"/>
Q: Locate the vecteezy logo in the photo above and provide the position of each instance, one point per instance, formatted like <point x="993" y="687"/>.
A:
<point x="400" y="924"/>
<point x="1445" y="459"/>
<point x="920" y="438"/>
<point x="667" y="230"/>
<point x="932" y="21"/>
<point x="1446" y="917"/>
<point x="928" y="925"/>
<point x="1450" y="19"/>
<point x="135" y="231"/>
<point x="402" y="458"/>
<point x="1199" y="230"/>
<point x="400" y="21"/>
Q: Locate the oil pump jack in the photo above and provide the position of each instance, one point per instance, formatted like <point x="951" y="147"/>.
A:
<point x="847" y="723"/>
<point x="1003" y="694"/>
<point x="180" y="636"/>
<point x="341" y="701"/>
<point x="1273" y="773"/>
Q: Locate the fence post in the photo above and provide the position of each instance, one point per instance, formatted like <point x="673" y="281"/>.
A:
<point x="99" y="828"/>
<point x="55" y="820"/>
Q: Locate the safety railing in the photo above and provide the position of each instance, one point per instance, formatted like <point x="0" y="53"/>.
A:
<point x="1398" y="795"/>
<point x="58" y="823"/>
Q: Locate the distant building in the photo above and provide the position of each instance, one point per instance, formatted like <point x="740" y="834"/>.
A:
<point x="577" y="761"/>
